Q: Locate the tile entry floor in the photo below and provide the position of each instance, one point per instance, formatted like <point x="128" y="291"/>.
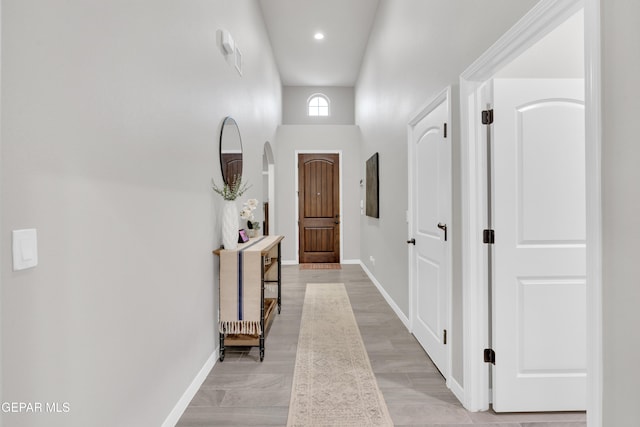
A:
<point x="241" y="391"/>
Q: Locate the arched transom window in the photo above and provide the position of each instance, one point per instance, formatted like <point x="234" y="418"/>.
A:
<point x="318" y="105"/>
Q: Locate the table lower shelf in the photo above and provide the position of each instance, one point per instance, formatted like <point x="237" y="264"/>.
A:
<point x="235" y="340"/>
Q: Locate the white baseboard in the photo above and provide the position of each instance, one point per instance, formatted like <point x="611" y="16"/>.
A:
<point x="175" y="414"/>
<point x="456" y="388"/>
<point x="404" y="319"/>
<point x="289" y="262"/>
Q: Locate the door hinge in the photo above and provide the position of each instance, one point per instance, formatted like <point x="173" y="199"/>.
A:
<point x="489" y="356"/>
<point x="444" y="337"/>
<point x="488" y="236"/>
<point x="487" y="117"/>
<point x="445" y="130"/>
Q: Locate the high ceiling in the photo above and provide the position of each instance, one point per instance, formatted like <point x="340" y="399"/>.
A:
<point x="333" y="61"/>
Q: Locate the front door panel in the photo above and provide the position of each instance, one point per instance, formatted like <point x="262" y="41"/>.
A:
<point x="319" y="208"/>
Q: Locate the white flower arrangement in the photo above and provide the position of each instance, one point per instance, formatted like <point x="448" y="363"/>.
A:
<point x="247" y="213"/>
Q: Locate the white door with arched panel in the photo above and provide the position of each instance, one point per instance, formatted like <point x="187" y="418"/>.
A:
<point x="430" y="229"/>
<point x="539" y="215"/>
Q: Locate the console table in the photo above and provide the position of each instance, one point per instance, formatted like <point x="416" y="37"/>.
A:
<point x="245" y="315"/>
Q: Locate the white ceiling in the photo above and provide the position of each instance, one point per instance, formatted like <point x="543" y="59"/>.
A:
<point x="304" y="61"/>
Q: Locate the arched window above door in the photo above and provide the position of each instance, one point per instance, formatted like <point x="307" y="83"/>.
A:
<point x="318" y="105"/>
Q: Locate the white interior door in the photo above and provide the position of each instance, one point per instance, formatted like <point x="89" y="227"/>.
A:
<point x="539" y="213"/>
<point x="430" y="181"/>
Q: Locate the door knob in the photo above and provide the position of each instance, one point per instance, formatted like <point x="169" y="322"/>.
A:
<point x="443" y="227"/>
<point x="412" y="241"/>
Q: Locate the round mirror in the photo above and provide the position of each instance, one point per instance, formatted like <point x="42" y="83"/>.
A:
<point x="230" y="151"/>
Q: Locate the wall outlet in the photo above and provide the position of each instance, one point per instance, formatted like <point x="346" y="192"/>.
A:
<point x="372" y="260"/>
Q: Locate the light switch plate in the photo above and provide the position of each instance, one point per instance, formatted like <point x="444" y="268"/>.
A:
<point x="25" y="249"/>
<point x="228" y="44"/>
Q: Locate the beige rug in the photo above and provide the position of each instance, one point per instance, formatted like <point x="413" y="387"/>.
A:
<point x="333" y="384"/>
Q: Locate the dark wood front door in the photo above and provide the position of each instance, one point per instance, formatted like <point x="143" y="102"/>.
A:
<point x="319" y="207"/>
<point x="231" y="165"/>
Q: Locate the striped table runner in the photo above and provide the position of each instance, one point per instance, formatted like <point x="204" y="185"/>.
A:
<point x="240" y="287"/>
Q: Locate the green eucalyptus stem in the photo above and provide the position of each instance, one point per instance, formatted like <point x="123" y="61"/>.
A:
<point x="231" y="191"/>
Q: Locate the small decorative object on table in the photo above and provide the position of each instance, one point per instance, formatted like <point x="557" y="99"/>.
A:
<point x="247" y="213"/>
<point x="230" y="223"/>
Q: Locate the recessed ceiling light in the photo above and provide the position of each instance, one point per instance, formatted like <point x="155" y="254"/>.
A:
<point x="318" y="36"/>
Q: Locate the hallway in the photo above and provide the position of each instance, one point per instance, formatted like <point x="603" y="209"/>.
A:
<point x="243" y="391"/>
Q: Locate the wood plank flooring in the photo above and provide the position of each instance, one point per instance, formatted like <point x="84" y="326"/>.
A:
<point x="241" y="391"/>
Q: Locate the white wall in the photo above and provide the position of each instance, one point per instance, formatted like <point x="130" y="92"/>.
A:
<point x="295" y="99"/>
<point x="558" y="55"/>
<point x="111" y="113"/>
<point x="2" y="246"/>
<point x="290" y="138"/>
<point x="621" y="211"/>
<point x="416" y="49"/>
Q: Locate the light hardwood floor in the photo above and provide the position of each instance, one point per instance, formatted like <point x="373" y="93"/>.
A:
<point x="241" y="391"/>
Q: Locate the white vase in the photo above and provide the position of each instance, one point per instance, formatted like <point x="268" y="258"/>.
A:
<point x="230" y="224"/>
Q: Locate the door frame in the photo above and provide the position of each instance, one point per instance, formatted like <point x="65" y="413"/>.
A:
<point x="297" y="192"/>
<point x="271" y="185"/>
<point x="427" y="108"/>
<point x="542" y="19"/>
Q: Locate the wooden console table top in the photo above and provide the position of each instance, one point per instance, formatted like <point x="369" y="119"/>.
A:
<point x="266" y="243"/>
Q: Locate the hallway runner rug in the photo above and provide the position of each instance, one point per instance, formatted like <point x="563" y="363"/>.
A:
<point x="333" y="383"/>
